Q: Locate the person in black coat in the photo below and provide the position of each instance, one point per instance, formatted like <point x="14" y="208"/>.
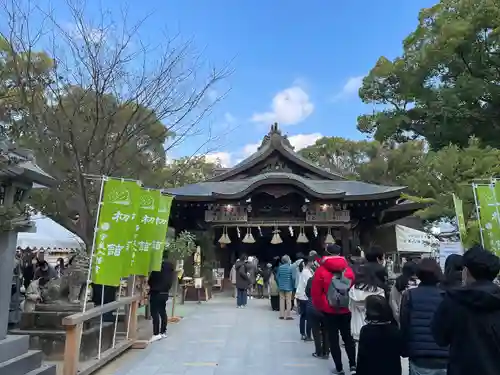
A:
<point x="468" y="319"/>
<point x="160" y="283"/>
<point x="453" y="267"/>
<point x="379" y="347"/>
<point x="418" y="306"/>
<point x="318" y="327"/>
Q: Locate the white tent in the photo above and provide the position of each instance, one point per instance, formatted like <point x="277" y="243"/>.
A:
<point x="49" y="234"/>
<point x="410" y="240"/>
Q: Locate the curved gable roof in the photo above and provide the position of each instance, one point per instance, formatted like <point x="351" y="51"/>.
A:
<point x="275" y="141"/>
<point x="346" y="190"/>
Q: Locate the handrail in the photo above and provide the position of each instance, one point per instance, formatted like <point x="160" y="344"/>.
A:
<point x="96" y="311"/>
<point x="74" y="328"/>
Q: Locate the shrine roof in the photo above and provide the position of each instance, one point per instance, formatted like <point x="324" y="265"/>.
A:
<point x="322" y="189"/>
<point x="276" y="142"/>
<point x="21" y="165"/>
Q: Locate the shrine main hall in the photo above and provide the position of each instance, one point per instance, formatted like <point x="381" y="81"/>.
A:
<point x="277" y="202"/>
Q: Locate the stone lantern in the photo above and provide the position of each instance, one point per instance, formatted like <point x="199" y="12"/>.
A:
<point x="18" y="175"/>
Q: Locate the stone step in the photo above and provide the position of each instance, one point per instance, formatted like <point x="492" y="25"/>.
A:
<point x="44" y="370"/>
<point x="13" y="346"/>
<point x="22" y="364"/>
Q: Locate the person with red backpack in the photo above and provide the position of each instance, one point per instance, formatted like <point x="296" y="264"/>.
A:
<point x="330" y="295"/>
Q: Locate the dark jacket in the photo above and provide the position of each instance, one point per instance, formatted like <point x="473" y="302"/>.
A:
<point x="242" y="279"/>
<point x="417" y="310"/>
<point x="468" y="320"/>
<point x="266" y="274"/>
<point x="379" y="350"/>
<point x="161" y="281"/>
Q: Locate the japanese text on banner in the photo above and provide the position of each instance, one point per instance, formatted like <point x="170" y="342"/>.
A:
<point x="145" y="236"/>
<point x="163" y="214"/>
<point x="117" y="213"/>
<point x="489" y="215"/>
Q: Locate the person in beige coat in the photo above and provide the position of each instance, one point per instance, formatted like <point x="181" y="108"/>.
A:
<point x="232" y="276"/>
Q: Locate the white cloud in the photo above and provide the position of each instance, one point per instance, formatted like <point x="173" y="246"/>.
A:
<point x="301" y="141"/>
<point x="353" y="85"/>
<point x="224" y="158"/>
<point x="82" y="32"/>
<point x="229" y="118"/>
<point x="289" y="107"/>
<point x="350" y="88"/>
<point x="229" y="159"/>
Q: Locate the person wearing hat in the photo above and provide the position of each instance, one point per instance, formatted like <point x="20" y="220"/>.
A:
<point x="468" y="319"/>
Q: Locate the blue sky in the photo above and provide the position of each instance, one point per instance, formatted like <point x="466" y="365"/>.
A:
<point x="312" y="53"/>
<point x="299" y="63"/>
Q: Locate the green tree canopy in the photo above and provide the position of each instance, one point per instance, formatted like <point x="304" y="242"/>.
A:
<point x="98" y="103"/>
<point x="445" y="86"/>
<point x="429" y="175"/>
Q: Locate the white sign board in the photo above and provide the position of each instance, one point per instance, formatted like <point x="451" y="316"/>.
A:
<point x="448" y="248"/>
<point x="409" y="240"/>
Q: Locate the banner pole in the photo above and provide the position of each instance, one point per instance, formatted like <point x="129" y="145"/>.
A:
<point x="455" y="199"/>
<point x="116" y="314"/>
<point x="100" y="326"/>
<point x="91" y="260"/>
<point x="89" y="273"/>
<point x="132" y="294"/>
<point x="496" y="203"/>
<point x="474" y="186"/>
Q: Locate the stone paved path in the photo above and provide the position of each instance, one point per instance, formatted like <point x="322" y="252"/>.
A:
<point x="219" y="339"/>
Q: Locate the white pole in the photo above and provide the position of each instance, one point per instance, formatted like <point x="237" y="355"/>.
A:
<point x="496" y="203"/>
<point x="130" y="310"/>
<point x="116" y="315"/>
<point x="89" y="273"/>
<point x="91" y="261"/>
<point x="474" y="186"/>
<point x="100" y="326"/>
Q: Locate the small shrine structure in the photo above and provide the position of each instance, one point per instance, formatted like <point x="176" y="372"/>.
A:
<point x="277" y="202"/>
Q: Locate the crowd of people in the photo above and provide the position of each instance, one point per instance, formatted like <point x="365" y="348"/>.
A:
<point x="444" y="323"/>
<point x="34" y="273"/>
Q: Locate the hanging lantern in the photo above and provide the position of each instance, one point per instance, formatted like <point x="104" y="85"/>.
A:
<point x="276" y="237"/>
<point x="302" y="238"/>
<point x="290" y="229"/>
<point x="329" y="238"/>
<point x="224" y="239"/>
<point x="315" y="231"/>
<point x="248" y="237"/>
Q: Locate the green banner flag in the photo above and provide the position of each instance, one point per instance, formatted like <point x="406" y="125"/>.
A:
<point x="459" y="211"/>
<point x="488" y="215"/>
<point x="162" y="227"/>
<point x="145" y="231"/>
<point x="129" y="249"/>
<point x="115" y="221"/>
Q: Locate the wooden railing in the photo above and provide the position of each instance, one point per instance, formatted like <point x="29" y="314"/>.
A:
<point x="74" y="328"/>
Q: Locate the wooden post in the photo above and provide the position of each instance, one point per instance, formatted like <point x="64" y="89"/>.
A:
<point x="133" y="320"/>
<point x="72" y="349"/>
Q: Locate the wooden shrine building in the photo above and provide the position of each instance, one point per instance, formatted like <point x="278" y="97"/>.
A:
<point x="276" y="191"/>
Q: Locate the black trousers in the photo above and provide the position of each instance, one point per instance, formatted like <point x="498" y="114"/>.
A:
<point x="158" y="308"/>
<point x="336" y="323"/>
<point x="319" y="333"/>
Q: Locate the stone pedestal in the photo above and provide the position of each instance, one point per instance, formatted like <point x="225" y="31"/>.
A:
<point x="15" y="356"/>
<point x="46" y="332"/>
<point x="8" y="241"/>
